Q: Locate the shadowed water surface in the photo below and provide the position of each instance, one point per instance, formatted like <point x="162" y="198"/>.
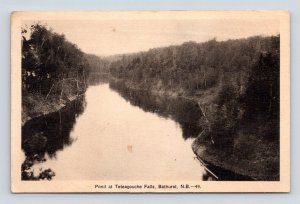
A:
<point x="114" y="134"/>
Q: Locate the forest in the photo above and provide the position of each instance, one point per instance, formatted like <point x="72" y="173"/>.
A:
<point x="54" y="71"/>
<point x="234" y="82"/>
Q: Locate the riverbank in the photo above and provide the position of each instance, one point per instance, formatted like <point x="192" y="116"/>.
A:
<point x="36" y="105"/>
<point x="249" y="151"/>
<point x="205" y="97"/>
<point x="248" y="156"/>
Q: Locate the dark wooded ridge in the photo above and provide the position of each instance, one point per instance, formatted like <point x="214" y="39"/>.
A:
<point x="54" y="71"/>
<point x="49" y="61"/>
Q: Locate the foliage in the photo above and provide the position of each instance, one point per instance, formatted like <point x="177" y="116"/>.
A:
<point x="195" y="66"/>
<point x="97" y="64"/>
<point x="48" y="59"/>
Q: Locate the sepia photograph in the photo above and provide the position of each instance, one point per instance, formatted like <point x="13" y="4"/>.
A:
<point x="150" y="101"/>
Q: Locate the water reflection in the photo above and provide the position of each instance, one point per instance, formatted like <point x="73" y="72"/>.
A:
<point x="186" y="112"/>
<point x="42" y="137"/>
<point x="97" y="79"/>
<point x="122" y="134"/>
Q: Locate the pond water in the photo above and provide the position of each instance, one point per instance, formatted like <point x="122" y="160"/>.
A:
<point x="113" y="133"/>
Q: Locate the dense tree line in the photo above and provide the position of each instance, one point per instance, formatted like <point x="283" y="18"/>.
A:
<point x="232" y="64"/>
<point x="196" y="66"/>
<point x="98" y="64"/>
<point x="51" y="65"/>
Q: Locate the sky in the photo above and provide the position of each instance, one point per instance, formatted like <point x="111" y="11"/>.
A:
<point x="104" y="37"/>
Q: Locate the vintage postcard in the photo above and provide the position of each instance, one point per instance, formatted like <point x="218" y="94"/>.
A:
<point x="150" y="101"/>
